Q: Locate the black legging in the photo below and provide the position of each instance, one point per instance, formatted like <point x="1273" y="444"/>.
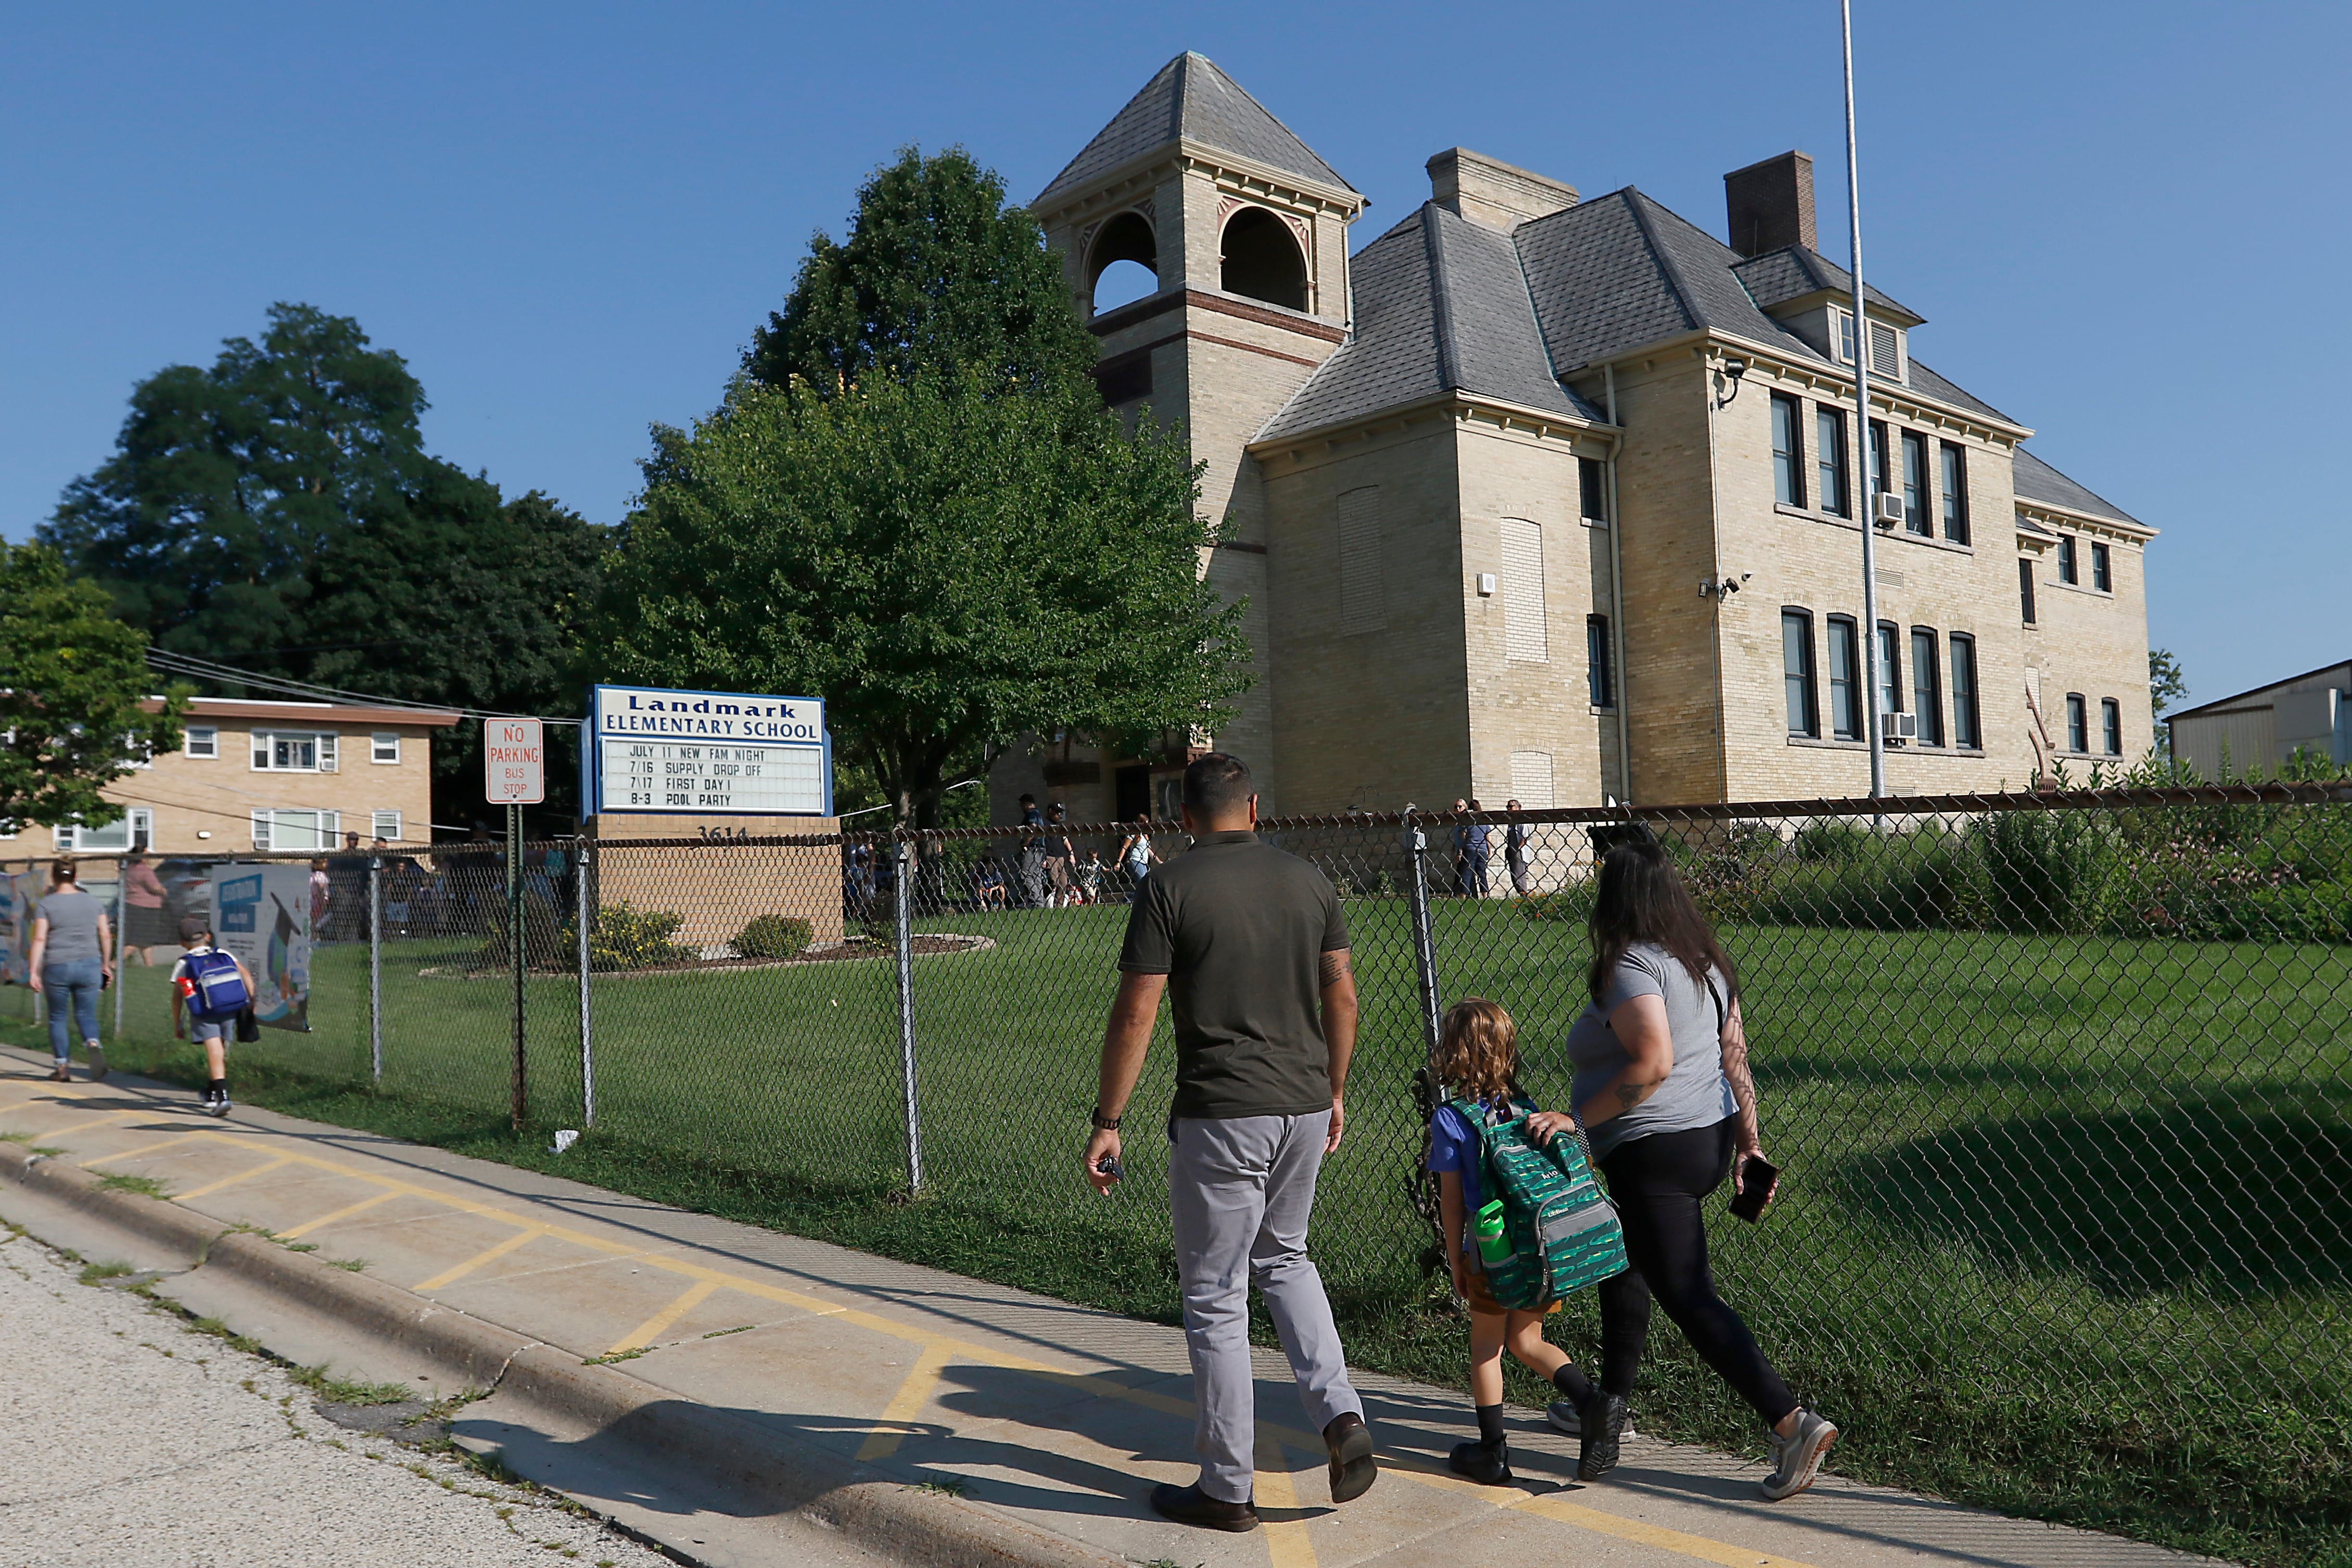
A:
<point x="1658" y="1183"/>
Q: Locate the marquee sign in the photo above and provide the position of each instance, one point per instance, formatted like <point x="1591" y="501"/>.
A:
<point x="701" y="754"/>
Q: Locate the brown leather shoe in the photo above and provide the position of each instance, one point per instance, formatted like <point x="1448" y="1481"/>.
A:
<point x="59" y="1074"/>
<point x="1353" y="1468"/>
<point x="1191" y="1505"/>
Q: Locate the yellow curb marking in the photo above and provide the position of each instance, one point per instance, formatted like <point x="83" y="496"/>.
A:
<point x="654" y="1327"/>
<point x="944" y="1348"/>
<point x="264" y="1168"/>
<point x="1553" y="1507"/>
<point x="912" y="1395"/>
<point x="140" y="1152"/>
<point x="1286" y="1539"/>
<point x="340" y="1215"/>
<point x="491" y="1255"/>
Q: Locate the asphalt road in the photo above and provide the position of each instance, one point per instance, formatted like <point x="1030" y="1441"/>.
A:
<point x="132" y="1436"/>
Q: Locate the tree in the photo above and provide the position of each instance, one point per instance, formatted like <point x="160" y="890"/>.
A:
<point x="2165" y="685"/>
<point x="72" y="677"/>
<point x="938" y="275"/>
<point x="946" y="569"/>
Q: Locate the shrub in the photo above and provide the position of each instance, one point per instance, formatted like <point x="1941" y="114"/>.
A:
<point x="546" y="940"/>
<point x="625" y="937"/>
<point x="772" y="936"/>
<point x="1834" y="840"/>
<point x="2045" y="871"/>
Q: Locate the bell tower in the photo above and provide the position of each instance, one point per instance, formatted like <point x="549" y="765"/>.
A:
<point x="1244" y="231"/>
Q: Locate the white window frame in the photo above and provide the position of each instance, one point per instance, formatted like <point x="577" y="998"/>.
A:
<point x="139" y="823"/>
<point x="326" y="827"/>
<point x="322" y="750"/>
<point x="384" y="741"/>
<point x="387" y="825"/>
<point x="206" y="735"/>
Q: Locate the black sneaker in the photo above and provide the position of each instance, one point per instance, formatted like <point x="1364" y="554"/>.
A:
<point x="1602" y="1420"/>
<point x="1489" y="1466"/>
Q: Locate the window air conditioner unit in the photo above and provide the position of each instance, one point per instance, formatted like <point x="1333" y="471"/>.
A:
<point x="1899" y="726"/>
<point x="1888" y="511"/>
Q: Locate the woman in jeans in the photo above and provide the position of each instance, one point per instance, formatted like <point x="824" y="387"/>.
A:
<point x="69" y="966"/>
<point x="1662" y="1089"/>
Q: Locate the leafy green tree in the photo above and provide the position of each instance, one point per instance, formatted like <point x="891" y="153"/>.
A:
<point x="72" y="678"/>
<point x="938" y="275"/>
<point x="946" y="569"/>
<point x="2166" y="685"/>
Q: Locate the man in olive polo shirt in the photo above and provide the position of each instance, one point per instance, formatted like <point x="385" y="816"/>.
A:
<point x="1251" y="946"/>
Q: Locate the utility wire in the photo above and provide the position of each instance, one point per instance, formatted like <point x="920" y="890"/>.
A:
<point x="189" y="664"/>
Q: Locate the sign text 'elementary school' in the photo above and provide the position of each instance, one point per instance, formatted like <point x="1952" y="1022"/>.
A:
<point x="714" y="753"/>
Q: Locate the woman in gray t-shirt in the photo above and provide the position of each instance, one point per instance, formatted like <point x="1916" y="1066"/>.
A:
<point x="1662" y="1089"/>
<point x="70" y="964"/>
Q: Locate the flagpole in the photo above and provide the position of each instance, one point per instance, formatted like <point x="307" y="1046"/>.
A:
<point x="1869" y="496"/>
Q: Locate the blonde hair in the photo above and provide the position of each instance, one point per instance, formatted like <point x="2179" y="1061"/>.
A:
<point x="1478" y="1051"/>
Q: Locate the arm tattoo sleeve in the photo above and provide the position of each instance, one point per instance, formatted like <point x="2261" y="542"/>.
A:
<point x="1334" y="966"/>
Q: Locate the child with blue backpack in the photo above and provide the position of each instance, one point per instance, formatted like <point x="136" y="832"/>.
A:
<point x="1478" y="1060"/>
<point x="213" y="986"/>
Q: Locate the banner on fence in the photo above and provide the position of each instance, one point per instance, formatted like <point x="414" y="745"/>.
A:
<point x="20" y="896"/>
<point x="262" y="913"/>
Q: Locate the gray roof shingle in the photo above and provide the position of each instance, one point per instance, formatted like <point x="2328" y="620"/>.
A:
<point x="1794" y="270"/>
<point x="1440" y="306"/>
<point x="1191" y="98"/>
<point x="2037" y="481"/>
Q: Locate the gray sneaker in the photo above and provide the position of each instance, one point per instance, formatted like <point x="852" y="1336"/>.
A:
<point x="97" y="1055"/>
<point x="1562" y="1414"/>
<point x="1797" y="1457"/>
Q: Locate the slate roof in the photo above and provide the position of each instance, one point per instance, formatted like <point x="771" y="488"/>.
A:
<point x="1191" y="98"/>
<point x="2037" y="481"/>
<point x="1440" y="305"/>
<point x="1793" y="271"/>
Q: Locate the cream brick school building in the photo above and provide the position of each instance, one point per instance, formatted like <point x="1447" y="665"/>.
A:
<point x="1560" y="499"/>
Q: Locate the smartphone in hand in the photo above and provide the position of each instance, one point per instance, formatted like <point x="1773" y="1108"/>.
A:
<point x="1757" y="1176"/>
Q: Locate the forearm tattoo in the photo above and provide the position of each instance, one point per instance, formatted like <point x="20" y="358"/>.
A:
<point x="1630" y="1095"/>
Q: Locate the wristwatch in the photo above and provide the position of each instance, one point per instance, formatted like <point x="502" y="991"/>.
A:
<point x="1104" y="1123"/>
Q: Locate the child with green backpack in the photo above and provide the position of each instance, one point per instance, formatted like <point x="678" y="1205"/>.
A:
<point x="1528" y="1255"/>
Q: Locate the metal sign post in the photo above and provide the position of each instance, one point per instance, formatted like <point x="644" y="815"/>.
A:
<point x="375" y="969"/>
<point x="580" y="914"/>
<point x="514" y="775"/>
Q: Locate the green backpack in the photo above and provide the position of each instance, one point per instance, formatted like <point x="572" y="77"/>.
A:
<point x="1562" y="1228"/>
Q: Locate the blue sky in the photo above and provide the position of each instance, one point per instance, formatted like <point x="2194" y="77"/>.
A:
<point x="2125" y="224"/>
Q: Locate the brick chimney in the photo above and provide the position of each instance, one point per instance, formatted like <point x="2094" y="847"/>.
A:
<point x="1491" y="193"/>
<point x="1770" y="204"/>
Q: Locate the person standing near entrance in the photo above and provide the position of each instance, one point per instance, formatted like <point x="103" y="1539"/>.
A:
<point x="1470" y="854"/>
<point x="69" y="967"/>
<point x="1515" y="851"/>
<point x="1032" y="854"/>
<point x="1251" y="948"/>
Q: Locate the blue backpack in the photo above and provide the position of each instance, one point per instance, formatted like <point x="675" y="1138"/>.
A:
<point x="215" y="990"/>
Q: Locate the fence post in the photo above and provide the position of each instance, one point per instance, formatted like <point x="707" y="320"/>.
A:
<point x="516" y="944"/>
<point x="375" y="969"/>
<point x="587" y="1024"/>
<point x="1424" y="947"/>
<point x="903" y="898"/>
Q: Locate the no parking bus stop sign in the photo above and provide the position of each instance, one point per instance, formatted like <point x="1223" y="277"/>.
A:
<point x="514" y="761"/>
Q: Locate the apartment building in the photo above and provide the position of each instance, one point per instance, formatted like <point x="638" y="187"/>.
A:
<point x="275" y="775"/>
<point x="1540" y="498"/>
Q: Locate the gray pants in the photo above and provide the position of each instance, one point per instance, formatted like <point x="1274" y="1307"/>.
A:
<point x="1241" y="1188"/>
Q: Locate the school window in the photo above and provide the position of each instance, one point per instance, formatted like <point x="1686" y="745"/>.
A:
<point x="2078" y="723"/>
<point x="277" y="752"/>
<point x="1955" y="492"/>
<point x="1830" y="459"/>
<point x="1890" y="668"/>
<point x="2066" y="571"/>
<point x="1797" y="661"/>
<point x="1788" y="451"/>
<point x="385" y="825"/>
<point x="1845" y="678"/>
<point x="1845" y="336"/>
<point x="1968" y="730"/>
<point x="1915" y="484"/>
<point x="1593" y="494"/>
<point x="134" y="829"/>
<point x="383" y="746"/>
<point x="1524" y="634"/>
<point x="295" y="831"/>
<point x="2103" y="572"/>
<point x="2111" y="726"/>
<point x="1879" y="484"/>
<point x="1596" y="661"/>
<point x="1926" y="687"/>
<point x="203" y="740"/>
<point x="2025" y="588"/>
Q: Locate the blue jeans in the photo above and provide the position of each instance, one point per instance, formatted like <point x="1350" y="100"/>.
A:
<point x="72" y="987"/>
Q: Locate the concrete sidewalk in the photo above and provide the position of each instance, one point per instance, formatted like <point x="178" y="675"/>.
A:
<point x="709" y="1382"/>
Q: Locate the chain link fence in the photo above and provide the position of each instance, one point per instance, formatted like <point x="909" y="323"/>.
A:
<point x="2061" y="1084"/>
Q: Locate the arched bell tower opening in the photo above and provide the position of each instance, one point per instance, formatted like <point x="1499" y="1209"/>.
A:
<point x="1124" y="265"/>
<point x="1260" y="259"/>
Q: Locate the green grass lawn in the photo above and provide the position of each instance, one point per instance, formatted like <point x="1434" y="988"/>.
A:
<point x="2065" y="1230"/>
